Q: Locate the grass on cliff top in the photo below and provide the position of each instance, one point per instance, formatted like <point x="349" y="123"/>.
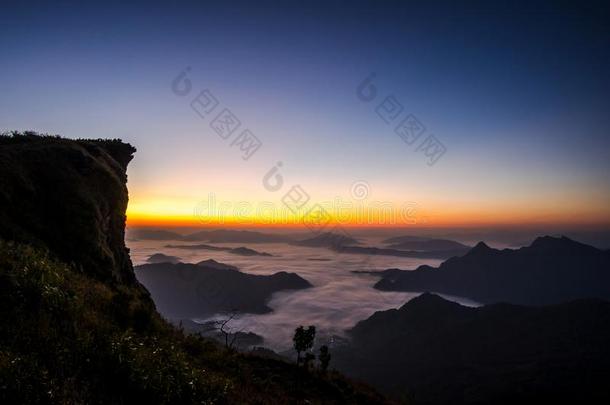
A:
<point x="66" y="338"/>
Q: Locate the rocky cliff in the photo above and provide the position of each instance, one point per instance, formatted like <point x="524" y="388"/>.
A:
<point x="69" y="196"/>
<point x="75" y="325"/>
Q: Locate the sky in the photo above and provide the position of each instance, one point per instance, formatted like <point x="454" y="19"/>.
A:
<point x="514" y="99"/>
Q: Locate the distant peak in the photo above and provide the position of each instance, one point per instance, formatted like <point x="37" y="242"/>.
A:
<point x="428" y="296"/>
<point x="208" y="261"/>
<point x="211" y="263"/>
<point x="429" y="301"/>
<point x="552" y="242"/>
<point x="480" y="248"/>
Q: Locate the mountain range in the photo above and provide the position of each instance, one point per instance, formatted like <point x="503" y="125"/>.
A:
<point x="427" y="245"/>
<point x="420" y="247"/>
<point x="77" y="327"/>
<point x="242" y="250"/>
<point x="78" y="324"/>
<point x="550" y="270"/>
<point x="162" y="258"/>
<point x="326" y="240"/>
<point x="210" y="236"/>
<point x="433" y="351"/>
<point x="183" y="291"/>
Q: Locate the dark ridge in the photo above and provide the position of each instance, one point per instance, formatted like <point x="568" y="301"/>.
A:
<point x="234" y="236"/>
<point x="216" y="265"/>
<point x="481" y="247"/>
<point x="161" y="258"/>
<point x="427" y="254"/>
<point x="327" y="240"/>
<point x="429" y="245"/>
<point x="242" y="251"/>
<point x="550" y="270"/>
<point x="402" y="239"/>
<point x="183" y="290"/>
<point x="432" y="351"/>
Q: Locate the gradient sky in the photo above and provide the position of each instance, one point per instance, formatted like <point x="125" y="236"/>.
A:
<point x="518" y="93"/>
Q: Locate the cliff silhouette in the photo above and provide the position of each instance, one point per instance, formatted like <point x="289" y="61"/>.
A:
<point x="69" y="196"/>
<point x="75" y="324"/>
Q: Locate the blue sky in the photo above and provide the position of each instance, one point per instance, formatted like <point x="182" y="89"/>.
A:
<point x="517" y="92"/>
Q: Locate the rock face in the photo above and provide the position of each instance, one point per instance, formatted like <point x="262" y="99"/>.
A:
<point x="76" y="326"/>
<point x="551" y="270"/>
<point x="69" y="196"/>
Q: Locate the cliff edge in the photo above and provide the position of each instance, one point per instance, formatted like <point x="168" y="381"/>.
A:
<point x="76" y="326"/>
<point x="69" y="196"/>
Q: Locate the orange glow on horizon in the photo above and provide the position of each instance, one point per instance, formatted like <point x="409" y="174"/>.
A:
<point x="446" y="219"/>
<point x="231" y="209"/>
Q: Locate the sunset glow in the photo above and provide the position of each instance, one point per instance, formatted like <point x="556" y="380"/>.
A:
<point x="305" y="202"/>
<point x="177" y="213"/>
<point x="509" y="130"/>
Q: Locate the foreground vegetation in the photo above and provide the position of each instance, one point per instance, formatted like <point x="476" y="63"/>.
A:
<point x="68" y="338"/>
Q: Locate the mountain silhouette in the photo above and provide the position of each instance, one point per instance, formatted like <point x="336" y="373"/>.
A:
<point x="345" y="244"/>
<point x="550" y="270"/>
<point x="242" y="251"/>
<point x="430" y="245"/>
<point x="404" y="238"/>
<point x="234" y="236"/>
<point x="161" y="258"/>
<point x="216" y="265"/>
<point x="183" y="290"/>
<point x="424" y="254"/>
<point x="327" y="240"/>
<point x="432" y="351"/>
<point x="210" y="236"/>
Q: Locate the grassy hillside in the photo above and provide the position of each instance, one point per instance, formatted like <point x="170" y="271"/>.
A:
<point x="68" y="338"/>
<point x="75" y="325"/>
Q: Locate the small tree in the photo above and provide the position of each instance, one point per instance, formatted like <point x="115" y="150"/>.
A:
<point x="303" y="340"/>
<point x="223" y="327"/>
<point x="308" y="359"/>
<point x="324" y="358"/>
